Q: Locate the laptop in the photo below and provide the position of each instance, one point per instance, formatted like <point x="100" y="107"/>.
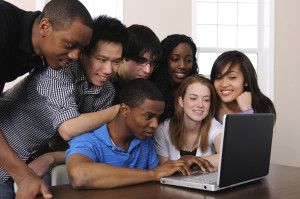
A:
<point x="244" y="157"/>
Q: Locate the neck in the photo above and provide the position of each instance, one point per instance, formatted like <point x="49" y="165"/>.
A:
<point x="122" y="77"/>
<point x="190" y="134"/>
<point x="119" y="133"/>
<point x="191" y="127"/>
<point x="227" y="108"/>
<point x="35" y="37"/>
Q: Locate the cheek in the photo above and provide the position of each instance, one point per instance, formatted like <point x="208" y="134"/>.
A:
<point x="189" y="67"/>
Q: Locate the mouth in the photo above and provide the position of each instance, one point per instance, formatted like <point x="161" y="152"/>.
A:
<point x="64" y="64"/>
<point x="227" y="92"/>
<point x="103" y="78"/>
<point x="180" y="75"/>
<point x="143" y="76"/>
<point x="198" y="112"/>
<point x="149" y="134"/>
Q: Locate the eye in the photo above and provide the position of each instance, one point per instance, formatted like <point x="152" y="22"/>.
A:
<point x="140" y="62"/>
<point x="71" y="45"/>
<point x="232" y="77"/>
<point x="149" y="117"/>
<point x="116" y="62"/>
<point x="193" y="98"/>
<point x="188" y="61"/>
<point x="207" y="100"/>
<point x="174" y="59"/>
<point x="218" y="77"/>
<point x="102" y="60"/>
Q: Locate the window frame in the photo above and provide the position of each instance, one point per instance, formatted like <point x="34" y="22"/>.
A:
<point x="265" y="47"/>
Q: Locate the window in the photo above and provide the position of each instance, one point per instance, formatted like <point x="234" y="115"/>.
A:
<point x="244" y="25"/>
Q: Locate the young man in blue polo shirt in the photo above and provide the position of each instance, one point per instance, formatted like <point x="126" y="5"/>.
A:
<point x="121" y="152"/>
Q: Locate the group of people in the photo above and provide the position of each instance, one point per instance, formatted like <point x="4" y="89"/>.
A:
<point x="132" y="109"/>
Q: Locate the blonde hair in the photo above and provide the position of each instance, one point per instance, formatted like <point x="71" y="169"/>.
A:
<point x="177" y="127"/>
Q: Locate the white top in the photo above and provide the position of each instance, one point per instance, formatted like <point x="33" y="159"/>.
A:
<point x="165" y="148"/>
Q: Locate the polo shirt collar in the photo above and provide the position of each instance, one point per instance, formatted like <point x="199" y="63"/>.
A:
<point x="103" y="135"/>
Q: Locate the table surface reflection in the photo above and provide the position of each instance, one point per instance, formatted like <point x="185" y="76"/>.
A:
<point x="282" y="182"/>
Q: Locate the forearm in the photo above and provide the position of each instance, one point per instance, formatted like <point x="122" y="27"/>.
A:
<point x="11" y="162"/>
<point x="98" y="175"/>
<point x="86" y="122"/>
<point x="213" y="159"/>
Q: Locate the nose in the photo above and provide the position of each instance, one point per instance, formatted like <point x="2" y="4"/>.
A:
<point x="200" y="103"/>
<point x="74" y="54"/>
<point x="224" y="82"/>
<point x="181" y="64"/>
<point x="107" y="68"/>
<point x="154" y="123"/>
<point x="147" y="68"/>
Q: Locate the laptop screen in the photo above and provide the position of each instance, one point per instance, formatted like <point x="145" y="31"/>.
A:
<point x="246" y="148"/>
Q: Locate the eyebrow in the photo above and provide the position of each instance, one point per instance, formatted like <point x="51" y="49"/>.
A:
<point x="198" y="95"/>
<point x="103" y="56"/>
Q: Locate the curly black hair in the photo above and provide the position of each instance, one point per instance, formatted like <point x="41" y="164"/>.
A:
<point x="160" y="75"/>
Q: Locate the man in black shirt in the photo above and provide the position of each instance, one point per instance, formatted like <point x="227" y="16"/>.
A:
<point x="52" y="38"/>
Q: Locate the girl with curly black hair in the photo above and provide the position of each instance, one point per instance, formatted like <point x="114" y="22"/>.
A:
<point x="178" y="61"/>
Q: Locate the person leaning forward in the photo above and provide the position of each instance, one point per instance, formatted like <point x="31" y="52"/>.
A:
<point x="121" y="152"/>
<point x="52" y="38"/>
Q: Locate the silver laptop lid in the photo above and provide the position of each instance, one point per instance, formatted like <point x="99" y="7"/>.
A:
<point x="246" y="147"/>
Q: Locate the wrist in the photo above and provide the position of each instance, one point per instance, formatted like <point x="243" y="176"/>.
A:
<point x="152" y="175"/>
<point x="50" y="157"/>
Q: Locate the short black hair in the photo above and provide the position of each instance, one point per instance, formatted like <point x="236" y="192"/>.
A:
<point x="142" y="40"/>
<point x="108" y="29"/>
<point x="136" y="91"/>
<point x="61" y="13"/>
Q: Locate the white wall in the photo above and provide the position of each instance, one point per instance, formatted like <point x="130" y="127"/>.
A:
<point x="166" y="17"/>
<point x="286" y="145"/>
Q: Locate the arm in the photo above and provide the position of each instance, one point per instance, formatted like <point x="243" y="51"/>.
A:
<point x="214" y="159"/>
<point x="29" y="184"/>
<point x="86" y="174"/>
<point x="62" y="93"/>
<point x="42" y="164"/>
<point x="86" y="122"/>
<point x="244" y="101"/>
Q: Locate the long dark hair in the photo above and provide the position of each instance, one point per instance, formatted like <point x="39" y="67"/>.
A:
<point x="160" y="75"/>
<point x="260" y="102"/>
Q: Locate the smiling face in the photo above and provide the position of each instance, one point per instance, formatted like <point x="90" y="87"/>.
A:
<point x="230" y="83"/>
<point x="131" y="69"/>
<point x="180" y="63"/>
<point x="142" y="120"/>
<point x="102" y="62"/>
<point x="196" y="102"/>
<point x="60" y="47"/>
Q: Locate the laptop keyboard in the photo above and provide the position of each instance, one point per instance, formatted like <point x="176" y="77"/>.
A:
<point x="205" y="178"/>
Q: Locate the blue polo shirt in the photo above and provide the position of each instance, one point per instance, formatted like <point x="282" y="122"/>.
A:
<point x="98" y="146"/>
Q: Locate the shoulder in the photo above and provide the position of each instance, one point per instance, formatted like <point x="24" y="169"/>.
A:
<point x="216" y="126"/>
<point x="9" y="9"/>
<point x="164" y="126"/>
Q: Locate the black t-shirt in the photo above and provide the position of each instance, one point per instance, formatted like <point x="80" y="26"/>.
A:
<point x="16" y="50"/>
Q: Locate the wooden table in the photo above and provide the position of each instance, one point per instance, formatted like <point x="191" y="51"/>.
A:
<point x="283" y="182"/>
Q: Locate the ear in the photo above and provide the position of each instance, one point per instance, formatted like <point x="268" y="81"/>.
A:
<point x="180" y="102"/>
<point x="45" y="27"/>
<point x="246" y="84"/>
<point x="124" y="109"/>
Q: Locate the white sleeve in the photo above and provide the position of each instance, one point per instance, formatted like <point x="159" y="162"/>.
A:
<point x="215" y="129"/>
<point x="160" y="141"/>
